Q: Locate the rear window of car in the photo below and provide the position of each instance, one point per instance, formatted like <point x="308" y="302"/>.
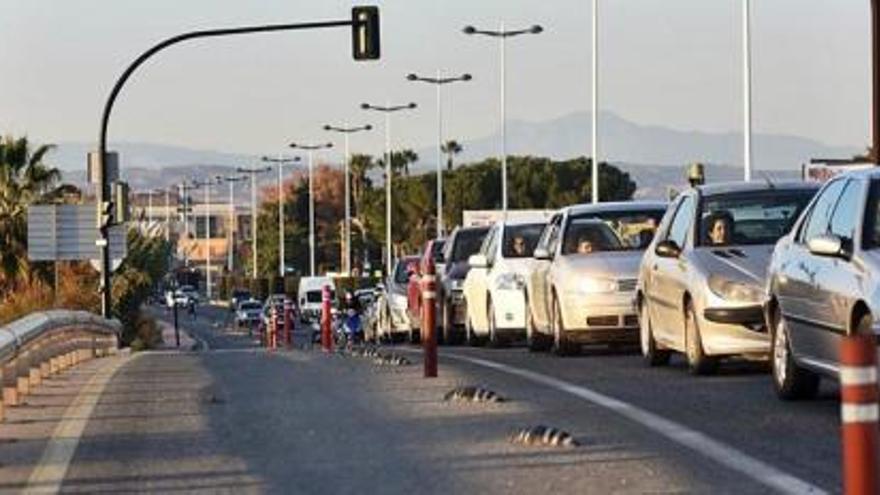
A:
<point x="520" y="240"/>
<point x="437" y="249"/>
<point x="467" y="242"/>
<point x="400" y="272"/>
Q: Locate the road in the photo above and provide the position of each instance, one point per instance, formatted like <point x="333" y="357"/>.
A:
<point x="232" y="417"/>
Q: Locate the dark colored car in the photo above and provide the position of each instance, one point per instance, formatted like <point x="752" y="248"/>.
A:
<point x="460" y="245"/>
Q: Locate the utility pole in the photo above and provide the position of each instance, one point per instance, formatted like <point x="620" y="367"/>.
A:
<point x="280" y="161"/>
<point x="230" y="230"/>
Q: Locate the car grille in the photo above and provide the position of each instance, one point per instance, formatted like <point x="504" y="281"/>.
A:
<point x="602" y="321"/>
<point x="626" y="285"/>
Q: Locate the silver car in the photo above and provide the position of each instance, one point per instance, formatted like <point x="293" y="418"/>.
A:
<point x="582" y="284"/>
<point x="824" y="282"/>
<point x="701" y="283"/>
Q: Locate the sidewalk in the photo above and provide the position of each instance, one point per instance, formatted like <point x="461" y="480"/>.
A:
<point x="168" y="339"/>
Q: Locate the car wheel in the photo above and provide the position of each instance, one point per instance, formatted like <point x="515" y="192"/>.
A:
<point x="535" y="340"/>
<point x="561" y="345"/>
<point x="698" y="362"/>
<point x="653" y="356"/>
<point x="790" y="380"/>
<point x="495" y="340"/>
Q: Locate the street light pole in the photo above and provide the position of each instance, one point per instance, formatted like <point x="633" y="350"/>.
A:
<point x="311" y="148"/>
<point x="280" y="161"/>
<point x="346" y="131"/>
<point x="230" y="234"/>
<point x="503" y="34"/>
<point x="253" y="173"/>
<point x="439" y="81"/>
<point x="747" y="91"/>
<point x="388" y="109"/>
<point x="594" y="193"/>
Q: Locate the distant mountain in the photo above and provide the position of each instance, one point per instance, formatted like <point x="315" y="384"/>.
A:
<point x="72" y="156"/>
<point x="622" y="141"/>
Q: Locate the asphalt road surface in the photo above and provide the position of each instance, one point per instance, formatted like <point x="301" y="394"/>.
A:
<point x="229" y="416"/>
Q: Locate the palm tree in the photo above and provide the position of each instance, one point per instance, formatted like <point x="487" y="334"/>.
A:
<point x="24" y="180"/>
<point x="451" y="148"/>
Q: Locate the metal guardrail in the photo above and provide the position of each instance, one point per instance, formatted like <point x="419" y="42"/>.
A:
<point x="44" y="344"/>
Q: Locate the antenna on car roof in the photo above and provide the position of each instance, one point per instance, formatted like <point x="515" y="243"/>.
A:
<point x="769" y="182"/>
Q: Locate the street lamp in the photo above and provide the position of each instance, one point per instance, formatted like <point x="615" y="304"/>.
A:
<point x="747" y="91"/>
<point x="281" y="161"/>
<point x="502" y="35"/>
<point x="346" y="131"/>
<point x="388" y="109"/>
<point x="253" y="173"/>
<point x="207" y="217"/>
<point x="439" y="81"/>
<point x="231" y="179"/>
<point x="311" y="148"/>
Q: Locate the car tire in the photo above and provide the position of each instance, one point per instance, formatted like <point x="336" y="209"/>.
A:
<point x="450" y="336"/>
<point x="561" y="345"/>
<point x="790" y="381"/>
<point x="698" y="362"/>
<point x="535" y="340"/>
<point x="650" y="352"/>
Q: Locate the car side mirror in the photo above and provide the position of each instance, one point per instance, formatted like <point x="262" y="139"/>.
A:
<point x="541" y="254"/>
<point x="478" y="261"/>
<point x="667" y="249"/>
<point x="827" y="245"/>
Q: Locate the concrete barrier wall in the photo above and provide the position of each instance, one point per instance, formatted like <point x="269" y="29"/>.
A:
<point x="40" y="345"/>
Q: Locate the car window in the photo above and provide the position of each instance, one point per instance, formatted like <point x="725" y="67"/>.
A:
<point x="467" y="242"/>
<point x="750" y="217"/>
<point x="846" y="212"/>
<point x="544" y="241"/>
<point x="491" y="244"/>
<point x="682" y="221"/>
<point x="553" y="238"/>
<point x="817" y="223"/>
<point x="520" y="240"/>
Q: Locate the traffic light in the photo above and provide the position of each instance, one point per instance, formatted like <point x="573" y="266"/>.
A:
<point x="122" y="212"/>
<point x="365" y="33"/>
<point x="105" y="215"/>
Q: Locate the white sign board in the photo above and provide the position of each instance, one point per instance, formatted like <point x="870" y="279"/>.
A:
<point x="482" y="218"/>
<point x="68" y="233"/>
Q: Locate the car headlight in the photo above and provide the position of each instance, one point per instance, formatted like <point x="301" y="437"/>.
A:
<point x="509" y="281"/>
<point x="733" y="290"/>
<point x="592" y="285"/>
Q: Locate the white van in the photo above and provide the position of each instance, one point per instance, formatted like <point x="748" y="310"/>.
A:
<point x="309" y="297"/>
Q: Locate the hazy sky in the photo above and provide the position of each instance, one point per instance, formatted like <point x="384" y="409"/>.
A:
<point x="675" y="63"/>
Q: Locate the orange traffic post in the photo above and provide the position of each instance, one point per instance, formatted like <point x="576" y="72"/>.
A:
<point x="273" y="329"/>
<point x="429" y="319"/>
<point x="326" y="338"/>
<point x="859" y="414"/>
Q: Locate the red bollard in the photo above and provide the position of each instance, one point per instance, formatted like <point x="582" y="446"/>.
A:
<point x="288" y="323"/>
<point x="859" y="414"/>
<point x="326" y="338"/>
<point x="429" y="319"/>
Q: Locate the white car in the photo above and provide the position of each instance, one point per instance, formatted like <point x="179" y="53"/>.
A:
<point x="493" y="289"/>
<point x="310" y="297"/>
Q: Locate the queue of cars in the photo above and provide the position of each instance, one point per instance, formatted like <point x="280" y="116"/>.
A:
<point x="758" y="270"/>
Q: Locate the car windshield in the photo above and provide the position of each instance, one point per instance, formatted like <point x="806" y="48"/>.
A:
<point x="401" y="276"/>
<point x="250" y="306"/>
<point x="437" y="249"/>
<point x="750" y="217"/>
<point x="467" y="242"/>
<point x="314" y="296"/>
<point x="520" y="240"/>
<point x="632" y="230"/>
<point x="241" y="294"/>
<point x="588" y="235"/>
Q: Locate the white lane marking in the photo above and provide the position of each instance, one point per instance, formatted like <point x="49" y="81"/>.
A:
<point x="858" y="375"/>
<point x="721" y="453"/>
<point x="859" y="413"/>
<point x="49" y="473"/>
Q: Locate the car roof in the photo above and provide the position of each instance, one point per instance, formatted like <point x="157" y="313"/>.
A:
<point x="862" y="173"/>
<point x="470" y="229"/>
<point x="756" y="185"/>
<point x="582" y="209"/>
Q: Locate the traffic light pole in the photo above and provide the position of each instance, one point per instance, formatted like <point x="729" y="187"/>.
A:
<point x="363" y="19"/>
